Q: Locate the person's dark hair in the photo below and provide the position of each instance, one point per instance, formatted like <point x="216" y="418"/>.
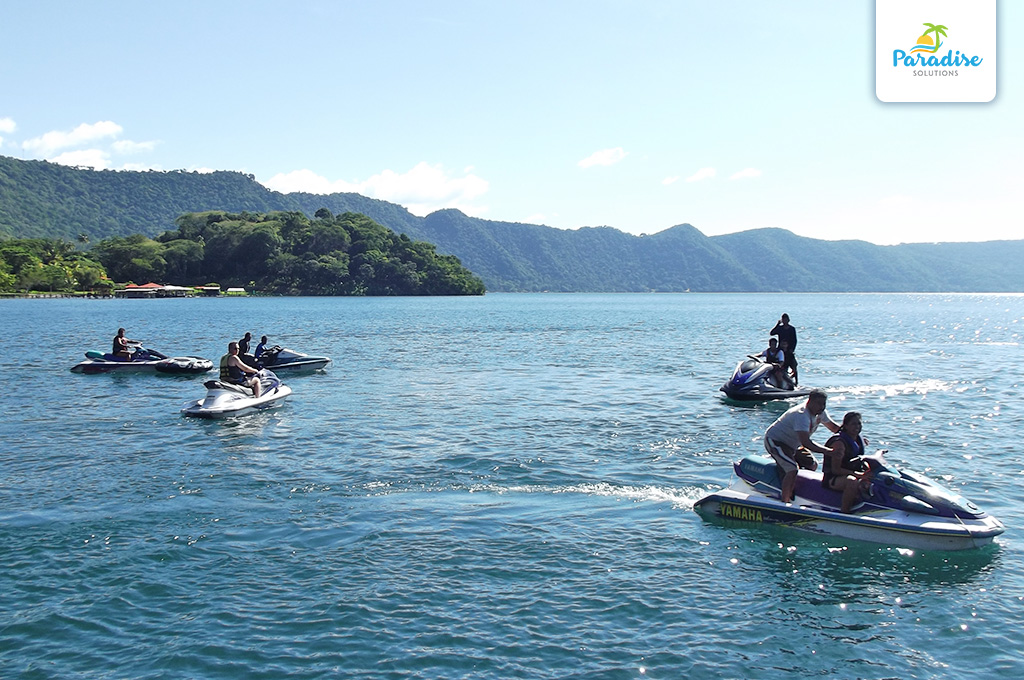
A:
<point x="849" y="417"/>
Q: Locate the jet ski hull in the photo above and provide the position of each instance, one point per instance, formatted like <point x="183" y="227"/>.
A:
<point x="307" y="364"/>
<point x="761" y="393"/>
<point x="169" y="365"/>
<point x="218" y="405"/>
<point x="815" y="509"/>
<point x="290" y="361"/>
<point x="227" y="401"/>
<point x="753" y="380"/>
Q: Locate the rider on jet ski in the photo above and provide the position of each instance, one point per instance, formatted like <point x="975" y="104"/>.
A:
<point x="775" y="356"/>
<point x="842" y="468"/>
<point x="121" y="343"/>
<point x="235" y="371"/>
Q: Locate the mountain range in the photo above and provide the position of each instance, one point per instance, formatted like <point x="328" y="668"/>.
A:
<point x="42" y="199"/>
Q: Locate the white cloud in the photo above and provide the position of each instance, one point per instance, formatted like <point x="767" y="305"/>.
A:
<point x="670" y="180"/>
<point x="7" y="125"/>
<point x="703" y="173"/>
<point x="142" y="167"/>
<point x="603" y="157"/>
<point x="422" y="190"/>
<point x="94" y="158"/>
<point x="130" y="147"/>
<point x="54" y="141"/>
<point x="306" y="181"/>
<point x="746" y="172"/>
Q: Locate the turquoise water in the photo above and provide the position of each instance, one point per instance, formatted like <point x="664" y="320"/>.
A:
<point x="494" y="487"/>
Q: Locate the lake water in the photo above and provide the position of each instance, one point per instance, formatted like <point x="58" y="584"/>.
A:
<point x="494" y="487"/>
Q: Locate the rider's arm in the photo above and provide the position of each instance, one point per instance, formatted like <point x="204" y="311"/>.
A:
<point x="805" y="442"/>
<point x="836" y="454"/>
<point x="827" y="422"/>
<point x="241" y="365"/>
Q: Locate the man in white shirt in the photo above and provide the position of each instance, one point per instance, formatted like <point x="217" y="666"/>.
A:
<point x="774" y="355"/>
<point x="788" y="440"/>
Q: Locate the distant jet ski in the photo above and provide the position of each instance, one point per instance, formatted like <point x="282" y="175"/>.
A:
<point x="903" y="508"/>
<point x="143" y="360"/>
<point x="754" y="380"/>
<point x="226" y="399"/>
<point x="283" y="359"/>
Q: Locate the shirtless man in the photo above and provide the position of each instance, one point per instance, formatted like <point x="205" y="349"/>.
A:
<point x="121" y="345"/>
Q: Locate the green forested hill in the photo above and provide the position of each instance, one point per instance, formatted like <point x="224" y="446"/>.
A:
<point x="39" y="199"/>
<point x="46" y="200"/>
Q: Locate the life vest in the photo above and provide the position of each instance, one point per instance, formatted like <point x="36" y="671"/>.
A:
<point x="853" y="448"/>
<point x="229" y="373"/>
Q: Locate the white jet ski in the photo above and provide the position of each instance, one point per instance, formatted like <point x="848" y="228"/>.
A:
<point x="226" y="399"/>
<point x="903" y="508"/>
<point x="283" y="359"/>
<point x="143" y="360"/>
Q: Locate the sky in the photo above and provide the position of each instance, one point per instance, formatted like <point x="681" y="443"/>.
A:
<point x="634" y="114"/>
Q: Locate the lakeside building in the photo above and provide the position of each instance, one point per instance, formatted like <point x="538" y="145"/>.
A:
<point x="153" y="290"/>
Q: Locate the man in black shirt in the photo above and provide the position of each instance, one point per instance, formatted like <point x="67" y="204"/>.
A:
<point x="243" y="344"/>
<point x="787" y="341"/>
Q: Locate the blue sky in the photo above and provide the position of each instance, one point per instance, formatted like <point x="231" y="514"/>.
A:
<point x="638" y="115"/>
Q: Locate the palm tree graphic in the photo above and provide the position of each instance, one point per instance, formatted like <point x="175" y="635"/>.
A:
<point x="937" y="30"/>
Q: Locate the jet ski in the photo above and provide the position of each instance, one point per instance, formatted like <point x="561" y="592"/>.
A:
<point x="284" y="359"/>
<point x="754" y="380"/>
<point x="143" y="360"/>
<point x="226" y="399"/>
<point x="900" y="508"/>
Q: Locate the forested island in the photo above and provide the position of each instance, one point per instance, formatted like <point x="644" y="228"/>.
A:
<point x="280" y="253"/>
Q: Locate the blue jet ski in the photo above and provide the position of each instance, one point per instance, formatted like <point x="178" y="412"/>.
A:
<point x="754" y="380"/>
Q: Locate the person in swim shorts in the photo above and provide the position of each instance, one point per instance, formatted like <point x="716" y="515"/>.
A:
<point x="788" y="439"/>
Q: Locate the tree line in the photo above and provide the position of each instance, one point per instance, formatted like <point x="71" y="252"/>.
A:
<point x="282" y="253"/>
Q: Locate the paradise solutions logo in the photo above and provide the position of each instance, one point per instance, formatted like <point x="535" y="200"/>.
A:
<point x="925" y="51"/>
<point x="936" y="68"/>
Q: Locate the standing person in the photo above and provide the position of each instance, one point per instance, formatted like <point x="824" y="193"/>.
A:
<point x="234" y="370"/>
<point x="842" y="470"/>
<point x="788" y="440"/>
<point x="243" y="344"/>
<point x="121" y="345"/>
<point x="787" y="341"/>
